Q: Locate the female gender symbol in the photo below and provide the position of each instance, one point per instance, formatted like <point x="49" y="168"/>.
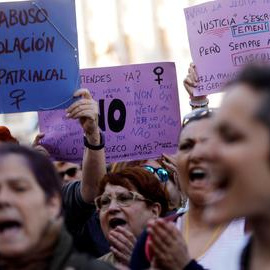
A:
<point x="158" y="71"/>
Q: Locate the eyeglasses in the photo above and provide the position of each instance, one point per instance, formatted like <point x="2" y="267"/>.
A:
<point x="71" y="172"/>
<point x="197" y="114"/>
<point x="122" y="199"/>
<point x="162" y="173"/>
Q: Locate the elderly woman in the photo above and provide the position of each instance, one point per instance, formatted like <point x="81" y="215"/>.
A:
<point x="127" y="201"/>
<point x="32" y="235"/>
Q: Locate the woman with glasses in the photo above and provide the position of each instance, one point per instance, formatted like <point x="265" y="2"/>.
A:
<point x="127" y="201"/>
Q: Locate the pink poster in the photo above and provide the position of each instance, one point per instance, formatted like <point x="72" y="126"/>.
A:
<point x="139" y="114"/>
<point x="224" y="36"/>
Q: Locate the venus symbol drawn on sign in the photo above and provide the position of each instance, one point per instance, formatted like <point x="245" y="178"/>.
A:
<point x="158" y="71"/>
<point x="17" y="95"/>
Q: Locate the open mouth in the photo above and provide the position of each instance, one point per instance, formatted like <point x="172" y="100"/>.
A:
<point x="197" y="174"/>
<point x="9" y="226"/>
<point x="114" y="222"/>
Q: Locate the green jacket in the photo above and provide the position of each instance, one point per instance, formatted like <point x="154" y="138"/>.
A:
<point x="65" y="258"/>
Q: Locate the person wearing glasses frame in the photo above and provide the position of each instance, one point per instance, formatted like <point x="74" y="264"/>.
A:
<point x="127" y="200"/>
<point x="68" y="171"/>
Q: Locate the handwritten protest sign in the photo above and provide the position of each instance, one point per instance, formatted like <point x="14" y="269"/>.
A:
<point x="224" y="36"/>
<point x="138" y="113"/>
<point x="38" y="55"/>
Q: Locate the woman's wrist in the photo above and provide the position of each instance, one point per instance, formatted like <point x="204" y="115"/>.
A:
<point x="198" y="102"/>
<point x="96" y="144"/>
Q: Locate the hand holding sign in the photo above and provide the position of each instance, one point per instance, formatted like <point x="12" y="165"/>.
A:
<point x="138" y="114"/>
<point x="38" y="147"/>
<point x="32" y="37"/>
<point x="225" y="36"/>
<point x="190" y="83"/>
<point x="191" y="80"/>
<point x="86" y="110"/>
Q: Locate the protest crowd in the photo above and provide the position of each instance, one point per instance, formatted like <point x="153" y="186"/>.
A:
<point x="204" y="207"/>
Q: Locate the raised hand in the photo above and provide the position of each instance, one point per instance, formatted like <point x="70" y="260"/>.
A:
<point x="86" y="110"/>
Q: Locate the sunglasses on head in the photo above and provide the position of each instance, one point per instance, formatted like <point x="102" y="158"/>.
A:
<point x="197" y="114"/>
<point x="161" y="172"/>
<point x="71" y="172"/>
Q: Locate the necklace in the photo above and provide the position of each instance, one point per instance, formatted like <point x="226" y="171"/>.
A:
<point x="211" y="240"/>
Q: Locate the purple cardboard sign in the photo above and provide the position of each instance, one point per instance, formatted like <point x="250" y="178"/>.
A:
<point x="63" y="136"/>
<point x="224" y="36"/>
<point x="138" y="112"/>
